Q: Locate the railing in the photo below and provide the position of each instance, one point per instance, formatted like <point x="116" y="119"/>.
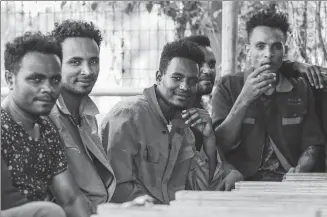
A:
<point x="100" y="91"/>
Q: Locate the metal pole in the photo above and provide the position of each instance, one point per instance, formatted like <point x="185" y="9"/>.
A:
<point x="229" y="37"/>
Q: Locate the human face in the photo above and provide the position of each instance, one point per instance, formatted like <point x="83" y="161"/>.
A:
<point x="267" y="46"/>
<point x="80" y="68"/>
<point x="36" y="86"/>
<point x="207" y="72"/>
<point x="178" y="85"/>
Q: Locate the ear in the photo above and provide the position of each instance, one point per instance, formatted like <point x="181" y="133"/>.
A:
<point x="286" y="51"/>
<point x="247" y="53"/>
<point x="10" y="79"/>
<point x="158" y="76"/>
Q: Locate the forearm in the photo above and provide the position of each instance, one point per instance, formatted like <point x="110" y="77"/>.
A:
<point x="209" y="145"/>
<point x="76" y="207"/>
<point x="228" y="132"/>
<point x="308" y="159"/>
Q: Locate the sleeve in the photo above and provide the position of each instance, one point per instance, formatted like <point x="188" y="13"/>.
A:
<point x="119" y="139"/>
<point x="221" y="103"/>
<point x="199" y="174"/>
<point x="59" y="158"/>
<point x="13" y="195"/>
<point x="312" y="131"/>
<point x="288" y="69"/>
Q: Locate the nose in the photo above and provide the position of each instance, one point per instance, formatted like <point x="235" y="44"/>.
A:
<point x="184" y="86"/>
<point x="47" y="88"/>
<point x="269" y="52"/>
<point x="86" y="70"/>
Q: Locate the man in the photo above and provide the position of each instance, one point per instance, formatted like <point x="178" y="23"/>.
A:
<point x="208" y="75"/>
<point x="74" y="112"/>
<point x="17" y="204"/>
<point x="148" y="139"/>
<point x="30" y="146"/>
<point x="316" y="76"/>
<point x="265" y="123"/>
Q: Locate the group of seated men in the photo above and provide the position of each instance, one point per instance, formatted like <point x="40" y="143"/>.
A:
<point x="55" y="161"/>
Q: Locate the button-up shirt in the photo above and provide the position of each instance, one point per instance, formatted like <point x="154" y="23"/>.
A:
<point x="32" y="163"/>
<point x="87" y="159"/>
<point x="149" y="159"/>
<point x="290" y="121"/>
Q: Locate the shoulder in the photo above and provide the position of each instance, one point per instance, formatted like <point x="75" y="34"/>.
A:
<point x="300" y="84"/>
<point x="231" y="80"/>
<point x="130" y="108"/>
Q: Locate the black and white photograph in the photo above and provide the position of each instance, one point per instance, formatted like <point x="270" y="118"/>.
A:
<point x="163" y="108"/>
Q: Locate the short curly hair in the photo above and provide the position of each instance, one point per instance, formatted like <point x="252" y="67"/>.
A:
<point x="29" y="42"/>
<point x="76" y="28"/>
<point x="181" y="48"/>
<point x="268" y="18"/>
<point x="201" y="40"/>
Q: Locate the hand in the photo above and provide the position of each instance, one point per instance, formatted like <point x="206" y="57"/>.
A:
<point x="230" y="180"/>
<point x="143" y="200"/>
<point x="313" y="73"/>
<point x="200" y="120"/>
<point x="257" y="83"/>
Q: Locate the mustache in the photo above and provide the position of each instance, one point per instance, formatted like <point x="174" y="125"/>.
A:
<point x="184" y="93"/>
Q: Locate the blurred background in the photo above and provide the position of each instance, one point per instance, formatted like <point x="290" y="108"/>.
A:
<point x="135" y="32"/>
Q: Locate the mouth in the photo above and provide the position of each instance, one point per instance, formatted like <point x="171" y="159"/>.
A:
<point x="46" y="100"/>
<point x="184" y="96"/>
<point x="267" y="63"/>
<point x="206" y="81"/>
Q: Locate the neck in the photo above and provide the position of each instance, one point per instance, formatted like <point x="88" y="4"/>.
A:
<point x="167" y="109"/>
<point x="23" y="118"/>
<point x="197" y="101"/>
<point x="72" y="102"/>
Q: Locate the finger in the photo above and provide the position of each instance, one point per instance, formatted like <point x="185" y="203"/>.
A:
<point x="264" y="89"/>
<point x="189" y="112"/>
<point x="192" y="118"/>
<point x="318" y="72"/>
<point x="228" y="187"/>
<point x="197" y="122"/>
<point x="297" y="170"/>
<point x="263" y="77"/>
<point x="310" y="77"/>
<point x="291" y="170"/>
<point x="263" y="84"/>
<point x="314" y="75"/>
<point x="258" y="71"/>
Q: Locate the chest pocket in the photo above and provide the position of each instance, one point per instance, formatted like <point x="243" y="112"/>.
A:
<point x="152" y="154"/>
<point x="186" y="153"/>
<point x="293" y="113"/>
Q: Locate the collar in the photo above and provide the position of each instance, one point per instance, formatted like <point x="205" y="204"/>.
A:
<point x="87" y="107"/>
<point x="284" y="85"/>
<point x="150" y="96"/>
<point x="17" y="114"/>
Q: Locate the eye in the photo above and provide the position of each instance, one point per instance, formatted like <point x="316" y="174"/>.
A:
<point x="56" y="81"/>
<point x="193" y="81"/>
<point x="177" y="78"/>
<point x="75" y="62"/>
<point x="94" y="61"/>
<point x="36" y="79"/>
<point x="260" y="46"/>
<point x="212" y="65"/>
<point x="278" y="46"/>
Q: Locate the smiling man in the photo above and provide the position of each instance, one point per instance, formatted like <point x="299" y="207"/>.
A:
<point x="148" y="139"/>
<point x="30" y="147"/>
<point x="264" y="122"/>
<point x="74" y="112"/>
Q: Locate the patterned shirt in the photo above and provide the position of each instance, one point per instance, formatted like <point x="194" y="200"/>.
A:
<point x="32" y="162"/>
